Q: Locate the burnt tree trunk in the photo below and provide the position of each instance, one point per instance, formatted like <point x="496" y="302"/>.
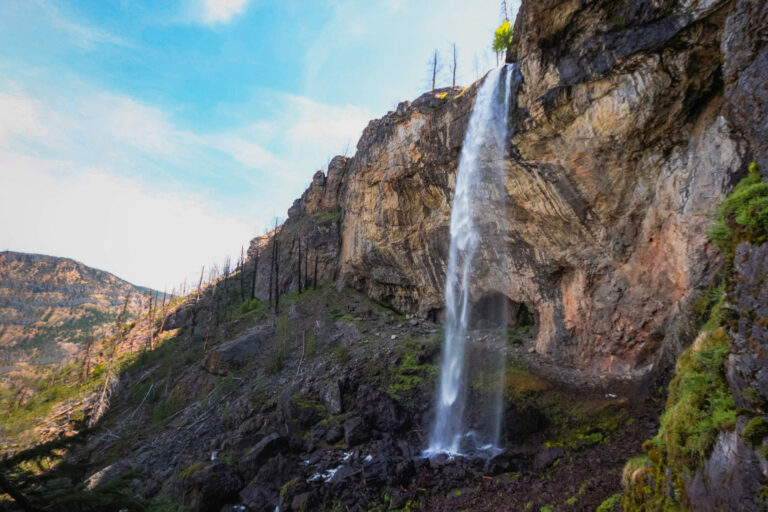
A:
<point x="306" y="266"/>
<point x="242" y="274"/>
<point x="299" y="265"/>
<point x="149" y="320"/>
<point x="314" y="285"/>
<point x="255" y="274"/>
<point x="272" y="263"/>
<point x="87" y="360"/>
<point x="277" y="277"/>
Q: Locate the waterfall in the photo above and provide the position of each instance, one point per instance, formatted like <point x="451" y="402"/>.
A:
<point x="480" y="176"/>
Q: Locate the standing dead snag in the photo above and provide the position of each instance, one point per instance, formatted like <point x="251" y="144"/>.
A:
<point x="299" y="280"/>
<point x="272" y="263"/>
<point x="306" y="265"/>
<point x="149" y="320"/>
<point x="454" y="65"/>
<point x="277" y="277"/>
<point x="165" y="313"/>
<point x="434" y="69"/>
<point x="87" y="360"/>
<point x="241" y="267"/>
<point x="197" y="302"/>
<point x="255" y="273"/>
<point x="314" y="286"/>
<point x="106" y="388"/>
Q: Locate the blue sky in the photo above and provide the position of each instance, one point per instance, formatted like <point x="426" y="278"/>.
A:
<point x="149" y="138"/>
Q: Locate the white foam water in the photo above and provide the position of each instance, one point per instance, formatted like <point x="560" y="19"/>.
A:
<point x="481" y="159"/>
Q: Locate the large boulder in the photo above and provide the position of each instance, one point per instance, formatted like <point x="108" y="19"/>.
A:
<point x="380" y="411"/>
<point x="252" y="461"/>
<point x="235" y="354"/>
<point x="209" y="488"/>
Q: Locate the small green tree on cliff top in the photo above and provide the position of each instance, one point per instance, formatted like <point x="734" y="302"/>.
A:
<point x="502" y="39"/>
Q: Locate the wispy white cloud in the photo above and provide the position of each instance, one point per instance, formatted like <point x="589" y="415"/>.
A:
<point x="96" y="176"/>
<point x="221" y="11"/>
<point x="81" y="34"/>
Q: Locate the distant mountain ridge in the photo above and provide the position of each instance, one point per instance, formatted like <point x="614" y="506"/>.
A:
<point x="50" y="305"/>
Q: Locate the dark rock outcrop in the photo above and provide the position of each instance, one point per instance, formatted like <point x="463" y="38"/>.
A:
<point x="212" y="486"/>
<point x="235" y="354"/>
<point x="748" y="362"/>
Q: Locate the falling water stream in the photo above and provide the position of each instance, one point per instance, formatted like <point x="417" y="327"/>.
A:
<point x="480" y="177"/>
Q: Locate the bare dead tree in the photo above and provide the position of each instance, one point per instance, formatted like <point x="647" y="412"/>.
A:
<point x="453" y="67"/>
<point x="306" y="265"/>
<point x="200" y="283"/>
<point x="271" y="270"/>
<point x="277" y="277"/>
<point x="241" y="267"/>
<point x="165" y="312"/>
<point x="504" y="10"/>
<point x="87" y="360"/>
<point x="197" y="303"/>
<point x="226" y="271"/>
<point x="272" y="263"/>
<point x="434" y="69"/>
<point x="314" y="285"/>
<point x="103" y="400"/>
<point x="214" y="316"/>
<point x="299" y="265"/>
<point x="149" y="320"/>
<point x="255" y="273"/>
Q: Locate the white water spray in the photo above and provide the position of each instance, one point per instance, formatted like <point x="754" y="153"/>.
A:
<point x="481" y="160"/>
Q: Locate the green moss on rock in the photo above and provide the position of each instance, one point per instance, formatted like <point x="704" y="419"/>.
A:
<point x="755" y="431"/>
<point x="743" y="215"/>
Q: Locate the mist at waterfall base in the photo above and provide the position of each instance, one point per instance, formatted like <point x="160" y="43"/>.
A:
<point x="466" y="421"/>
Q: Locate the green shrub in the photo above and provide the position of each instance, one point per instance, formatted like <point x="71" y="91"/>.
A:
<point x="743" y="215"/>
<point x="612" y="504"/>
<point x="699" y="407"/>
<point x="194" y="468"/>
<point x="700" y="403"/>
<point x="276" y="359"/>
<point x="166" y="408"/>
<point x="517" y="334"/>
<point x="328" y="215"/>
<point x="502" y="38"/>
<point x="253" y="306"/>
<point x="632" y="466"/>
<point x="410" y="376"/>
<point x="755" y="431"/>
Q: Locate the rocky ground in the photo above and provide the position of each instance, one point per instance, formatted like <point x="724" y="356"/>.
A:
<point x="327" y="407"/>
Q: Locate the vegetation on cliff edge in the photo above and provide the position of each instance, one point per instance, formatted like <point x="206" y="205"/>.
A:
<point x="700" y="403"/>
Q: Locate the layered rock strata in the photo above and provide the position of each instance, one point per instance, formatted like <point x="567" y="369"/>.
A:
<point x="632" y="120"/>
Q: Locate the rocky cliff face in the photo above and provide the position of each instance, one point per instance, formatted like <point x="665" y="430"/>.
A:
<point x="48" y="305"/>
<point x="631" y="121"/>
